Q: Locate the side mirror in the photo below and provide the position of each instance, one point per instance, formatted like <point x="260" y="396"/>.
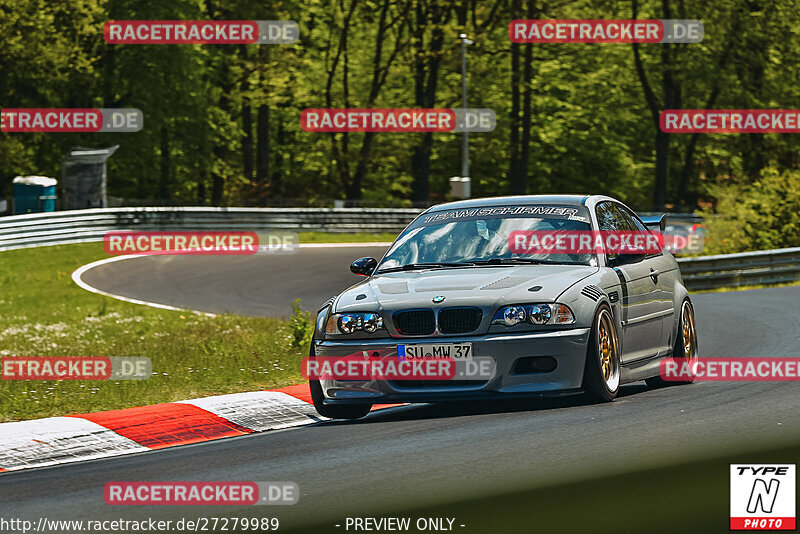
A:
<point x="625" y="259"/>
<point x="363" y="266"/>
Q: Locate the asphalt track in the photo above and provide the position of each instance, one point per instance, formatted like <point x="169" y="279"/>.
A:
<point x="428" y="455"/>
<point x="260" y="285"/>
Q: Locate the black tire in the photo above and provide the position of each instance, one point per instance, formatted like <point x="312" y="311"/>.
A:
<point x="344" y="411"/>
<point x="684" y="350"/>
<point x="601" y="375"/>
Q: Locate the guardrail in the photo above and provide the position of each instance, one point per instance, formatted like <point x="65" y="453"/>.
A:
<point x="762" y="267"/>
<point x="76" y="226"/>
<point x="63" y="227"/>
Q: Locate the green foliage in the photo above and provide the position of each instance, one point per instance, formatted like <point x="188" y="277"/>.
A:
<point x="758" y="216"/>
<point x="590" y="129"/>
<point x="301" y="325"/>
<point x="193" y="355"/>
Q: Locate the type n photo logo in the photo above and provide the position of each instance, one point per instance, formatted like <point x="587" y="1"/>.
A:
<point x="763" y="496"/>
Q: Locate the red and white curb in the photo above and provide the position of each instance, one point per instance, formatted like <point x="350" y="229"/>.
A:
<point x="76" y="438"/>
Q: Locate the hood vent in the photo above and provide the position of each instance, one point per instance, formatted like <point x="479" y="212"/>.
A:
<point x="396" y="288"/>
<point x="439" y="285"/>
<point x="592" y="292"/>
<point x="506" y="282"/>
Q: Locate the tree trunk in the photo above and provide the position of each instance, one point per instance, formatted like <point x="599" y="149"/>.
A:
<point x="426" y="76"/>
<point x="515" y="181"/>
<point x="201" y="190"/>
<point x="262" y="151"/>
<point x="277" y="170"/>
<point x="247" y="138"/>
<point x="247" y="120"/>
<point x="527" y="118"/>
<point x="662" y="165"/>
<point x="671" y="98"/>
<point x="682" y="198"/>
<point x="164" y="180"/>
<point x="421" y="169"/>
<point x="220" y="148"/>
<point x="379" y="73"/>
<point x="217" y="188"/>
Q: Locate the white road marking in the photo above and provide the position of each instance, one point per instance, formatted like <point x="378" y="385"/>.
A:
<point x="76" y="277"/>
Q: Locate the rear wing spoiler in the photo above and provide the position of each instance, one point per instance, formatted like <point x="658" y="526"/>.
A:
<point x="657" y="223"/>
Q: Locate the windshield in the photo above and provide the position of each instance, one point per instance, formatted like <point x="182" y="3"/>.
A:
<point x="481" y="236"/>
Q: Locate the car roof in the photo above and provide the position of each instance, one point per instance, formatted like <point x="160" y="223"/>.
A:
<point x="560" y="200"/>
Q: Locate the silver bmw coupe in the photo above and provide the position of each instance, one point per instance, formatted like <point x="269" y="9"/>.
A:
<point x="516" y="321"/>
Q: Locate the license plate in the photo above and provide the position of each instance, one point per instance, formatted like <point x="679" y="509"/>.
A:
<point x="456" y="351"/>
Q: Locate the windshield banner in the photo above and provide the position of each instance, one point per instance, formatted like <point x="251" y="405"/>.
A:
<point x="549" y="212"/>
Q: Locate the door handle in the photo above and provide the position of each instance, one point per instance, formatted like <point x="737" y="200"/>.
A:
<point x="654" y="275"/>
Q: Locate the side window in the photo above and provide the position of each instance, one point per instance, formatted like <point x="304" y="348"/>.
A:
<point x="628" y="221"/>
<point x="605" y="220"/>
<point x="611" y="218"/>
<point x="637" y="224"/>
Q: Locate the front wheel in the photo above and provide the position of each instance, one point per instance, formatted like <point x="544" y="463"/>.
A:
<point x="601" y="375"/>
<point x="346" y="411"/>
<point x="342" y="411"/>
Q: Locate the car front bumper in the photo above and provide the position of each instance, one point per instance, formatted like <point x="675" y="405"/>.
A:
<point x="567" y="347"/>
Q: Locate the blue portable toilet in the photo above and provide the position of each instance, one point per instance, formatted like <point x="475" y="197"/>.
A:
<point x="34" y="194"/>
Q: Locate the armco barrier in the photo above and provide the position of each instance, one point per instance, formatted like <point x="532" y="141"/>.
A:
<point x="743" y="269"/>
<point x="37" y="229"/>
<point x="61" y="227"/>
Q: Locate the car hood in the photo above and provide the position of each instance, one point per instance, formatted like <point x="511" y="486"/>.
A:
<point x="476" y="286"/>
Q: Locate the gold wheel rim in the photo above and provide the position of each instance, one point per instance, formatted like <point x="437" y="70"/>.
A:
<point x="607" y="350"/>
<point x="687" y="321"/>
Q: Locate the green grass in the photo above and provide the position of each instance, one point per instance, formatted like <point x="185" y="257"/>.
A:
<point x="43" y="313"/>
<point x="321" y="237"/>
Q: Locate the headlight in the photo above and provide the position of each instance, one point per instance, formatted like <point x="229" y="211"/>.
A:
<point x="513" y="315"/>
<point x="347" y="323"/>
<point x="540" y="313"/>
<point x="371" y="322"/>
<point x="534" y="314"/>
